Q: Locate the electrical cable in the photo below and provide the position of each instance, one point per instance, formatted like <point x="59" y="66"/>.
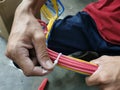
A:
<point x="70" y="63"/>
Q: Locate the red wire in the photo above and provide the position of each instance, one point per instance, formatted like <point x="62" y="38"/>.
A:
<point x="71" y="62"/>
<point x="68" y="62"/>
<point x="75" y="65"/>
<point x="43" y="84"/>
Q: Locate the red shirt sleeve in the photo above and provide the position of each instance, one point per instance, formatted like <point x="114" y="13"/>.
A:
<point x="106" y="14"/>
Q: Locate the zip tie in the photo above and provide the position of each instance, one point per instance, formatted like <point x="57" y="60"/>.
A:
<point x="57" y="59"/>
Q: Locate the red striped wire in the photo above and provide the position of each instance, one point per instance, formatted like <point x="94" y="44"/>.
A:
<point x="70" y="63"/>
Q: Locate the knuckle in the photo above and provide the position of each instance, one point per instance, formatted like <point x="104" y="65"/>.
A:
<point x="103" y="79"/>
<point x="43" y="55"/>
<point x="27" y="73"/>
<point x="104" y="56"/>
<point x="9" y="52"/>
<point x="39" y="37"/>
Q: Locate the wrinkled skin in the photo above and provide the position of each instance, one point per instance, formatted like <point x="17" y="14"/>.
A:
<point x="27" y="37"/>
<point x="107" y="77"/>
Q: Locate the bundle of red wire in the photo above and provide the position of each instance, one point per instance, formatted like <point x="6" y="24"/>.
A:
<point x="71" y="63"/>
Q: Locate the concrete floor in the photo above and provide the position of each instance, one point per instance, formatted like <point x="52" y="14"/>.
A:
<point x="60" y="79"/>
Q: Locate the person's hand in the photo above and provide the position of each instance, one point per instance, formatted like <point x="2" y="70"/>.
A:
<point x="26" y="44"/>
<point x="107" y="77"/>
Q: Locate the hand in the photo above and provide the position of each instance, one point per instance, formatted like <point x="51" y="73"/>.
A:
<point x="107" y="77"/>
<point x="26" y="44"/>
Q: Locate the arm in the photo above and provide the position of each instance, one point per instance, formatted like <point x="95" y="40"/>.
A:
<point x="107" y="77"/>
<point x="26" y="44"/>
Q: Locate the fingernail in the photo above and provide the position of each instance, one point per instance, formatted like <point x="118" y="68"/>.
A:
<point x="45" y="71"/>
<point x="49" y="63"/>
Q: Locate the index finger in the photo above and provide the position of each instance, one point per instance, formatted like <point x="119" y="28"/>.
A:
<point x="28" y="67"/>
<point x="94" y="79"/>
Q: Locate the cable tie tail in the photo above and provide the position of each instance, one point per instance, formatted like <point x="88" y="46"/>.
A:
<point x="57" y="59"/>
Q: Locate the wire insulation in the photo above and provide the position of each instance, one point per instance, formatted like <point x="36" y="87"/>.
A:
<point x="64" y="61"/>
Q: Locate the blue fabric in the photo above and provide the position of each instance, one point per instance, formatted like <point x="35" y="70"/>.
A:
<point x="79" y="33"/>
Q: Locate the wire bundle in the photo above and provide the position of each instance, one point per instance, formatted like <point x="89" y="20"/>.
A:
<point x="48" y="15"/>
<point x="73" y="64"/>
<point x="64" y="61"/>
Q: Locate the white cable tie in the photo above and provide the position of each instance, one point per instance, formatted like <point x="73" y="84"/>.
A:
<point x="57" y="59"/>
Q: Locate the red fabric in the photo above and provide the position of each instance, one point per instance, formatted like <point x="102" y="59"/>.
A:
<point x="106" y="14"/>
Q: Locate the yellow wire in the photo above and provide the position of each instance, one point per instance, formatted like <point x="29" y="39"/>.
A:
<point x="46" y="12"/>
<point x="48" y="15"/>
<point x="85" y="73"/>
<point x="80" y="60"/>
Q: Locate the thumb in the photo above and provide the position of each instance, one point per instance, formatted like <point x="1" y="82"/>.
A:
<point x="39" y="43"/>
